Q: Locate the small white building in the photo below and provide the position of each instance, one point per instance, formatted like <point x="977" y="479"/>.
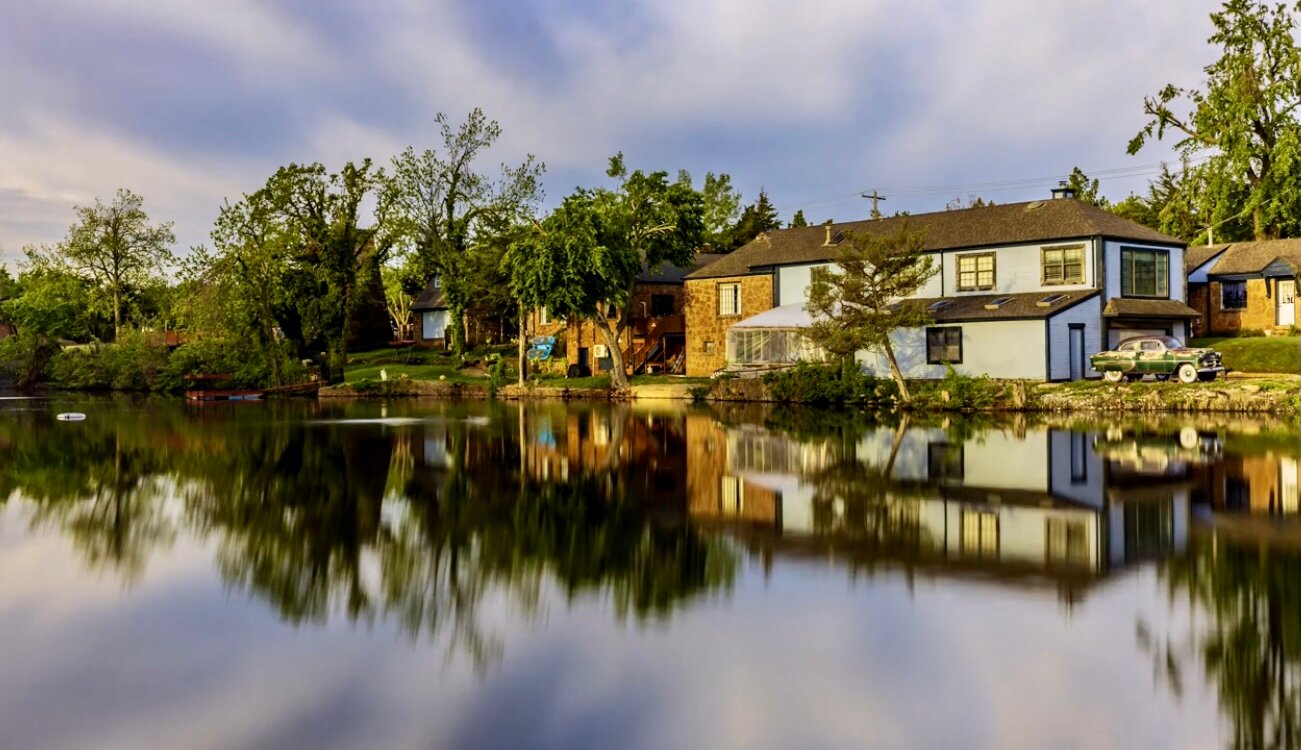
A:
<point x="1023" y="290"/>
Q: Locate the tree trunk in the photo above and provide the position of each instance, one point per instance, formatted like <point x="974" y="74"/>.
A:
<point x="896" y="374"/>
<point x="456" y="326"/>
<point x="618" y="376"/>
<point x="523" y="351"/>
<point x="117" y="314"/>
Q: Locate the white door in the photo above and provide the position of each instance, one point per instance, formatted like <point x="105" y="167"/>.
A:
<point x="1287" y="302"/>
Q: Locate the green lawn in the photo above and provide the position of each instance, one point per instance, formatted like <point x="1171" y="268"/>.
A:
<point x="1257" y="353"/>
<point x="354" y="373"/>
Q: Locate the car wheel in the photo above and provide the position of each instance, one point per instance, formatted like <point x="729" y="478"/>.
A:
<point x="1206" y="377"/>
<point x="1113" y="376"/>
<point x="1186" y="373"/>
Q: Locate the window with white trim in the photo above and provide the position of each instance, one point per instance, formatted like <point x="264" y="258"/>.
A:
<point x="729" y="299"/>
<point x="976" y="271"/>
<point x="544" y="317"/>
<point x="1063" y="265"/>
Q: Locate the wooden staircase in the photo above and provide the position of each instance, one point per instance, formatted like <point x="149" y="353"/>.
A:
<point x="648" y="338"/>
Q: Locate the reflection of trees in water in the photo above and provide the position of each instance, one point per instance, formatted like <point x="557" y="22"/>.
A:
<point x="1249" y="642"/>
<point x="325" y="519"/>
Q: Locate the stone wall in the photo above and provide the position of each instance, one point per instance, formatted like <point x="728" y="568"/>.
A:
<point x="1259" y="314"/>
<point x="707" y="330"/>
<point x="585" y="334"/>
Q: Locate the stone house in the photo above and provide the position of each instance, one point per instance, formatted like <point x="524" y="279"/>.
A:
<point x="1244" y="286"/>
<point x="432" y="326"/>
<point x="1023" y="290"/>
<point x="655" y="339"/>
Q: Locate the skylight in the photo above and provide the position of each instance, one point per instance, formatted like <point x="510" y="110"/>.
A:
<point x="1051" y="300"/>
<point x="939" y="305"/>
<point x="997" y="303"/>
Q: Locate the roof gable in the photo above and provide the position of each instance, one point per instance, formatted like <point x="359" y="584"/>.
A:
<point x="1255" y="257"/>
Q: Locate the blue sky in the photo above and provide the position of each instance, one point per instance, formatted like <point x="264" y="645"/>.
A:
<point x="189" y="102"/>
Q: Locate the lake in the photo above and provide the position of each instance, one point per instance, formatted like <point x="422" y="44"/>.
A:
<point x="543" y="575"/>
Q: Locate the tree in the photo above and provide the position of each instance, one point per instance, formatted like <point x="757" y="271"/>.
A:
<point x="757" y="218"/>
<point x="1086" y="190"/>
<point x="1244" y="120"/>
<point x="442" y="203"/>
<point x="798" y="220"/>
<point x="52" y="301"/>
<point x="971" y="201"/>
<point x="399" y="302"/>
<point x="308" y="268"/>
<point x="116" y="247"/>
<point x="583" y="260"/>
<point x="855" y="308"/>
<point x="722" y="209"/>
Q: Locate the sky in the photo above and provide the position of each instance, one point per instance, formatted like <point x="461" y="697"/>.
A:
<point x="190" y="103"/>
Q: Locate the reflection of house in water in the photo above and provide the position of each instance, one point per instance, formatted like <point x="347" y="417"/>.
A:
<point x="1006" y="501"/>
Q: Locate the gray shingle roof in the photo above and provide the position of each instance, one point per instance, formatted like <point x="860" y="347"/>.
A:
<point x="668" y="273"/>
<point x="1035" y="221"/>
<point x="1254" y="257"/>
<point x="1124" y="307"/>
<point x="1012" y="306"/>
<point x="1196" y="256"/>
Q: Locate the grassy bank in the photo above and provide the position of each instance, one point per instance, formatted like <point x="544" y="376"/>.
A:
<point x="1275" y="354"/>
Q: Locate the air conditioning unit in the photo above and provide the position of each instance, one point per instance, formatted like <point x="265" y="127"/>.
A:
<point x="600" y="351"/>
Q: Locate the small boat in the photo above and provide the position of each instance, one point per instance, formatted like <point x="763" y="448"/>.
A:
<point x="71" y="416"/>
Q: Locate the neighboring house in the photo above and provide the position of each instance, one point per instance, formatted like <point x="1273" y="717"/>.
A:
<point x="655" y="338"/>
<point x="432" y="325"/>
<point x="1023" y="290"/>
<point x="1244" y="286"/>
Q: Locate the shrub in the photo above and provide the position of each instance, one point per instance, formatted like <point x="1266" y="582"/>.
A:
<point x="246" y="364"/>
<point x="25" y="360"/>
<point x="130" y="364"/>
<point x="840" y="383"/>
<point x="959" y="392"/>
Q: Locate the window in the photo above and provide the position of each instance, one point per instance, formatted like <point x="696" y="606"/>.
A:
<point x="1051" y="300"/>
<point x="729" y="299"/>
<point x="1066" y="542"/>
<point x="995" y="304"/>
<point x="661" y="304"/>
<point x="732" y="496"/>
<point x="975" y="271"/>
<point x="939" y="305"/>
<point x="709" y="347"/>
<point x="1233" y="295"/>
<point x="944" y="461"/>
<point x="944" y="345"/>
<point x="438" y="282"/>
<point x="1144" y="273"/>
<point x="544" y="317"/>
<point x="1063" y="265"/>
<point x="759" y="346"/>
<point x="979" y="533"/>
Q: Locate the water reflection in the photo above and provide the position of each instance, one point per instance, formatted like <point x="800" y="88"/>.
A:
<point x="423" y="516"/>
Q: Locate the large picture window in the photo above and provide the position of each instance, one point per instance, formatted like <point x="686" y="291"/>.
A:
<point x="1144" y="273"/>
<point x="729" y="299"/>
<point x="1233" y="295"/>
<point x="944" y="345"/>
<point x="1063" y="265"/>
<point x="976" y="271"/>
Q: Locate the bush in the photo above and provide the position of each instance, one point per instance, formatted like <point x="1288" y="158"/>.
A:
<point x="130" y="364"/>
<point x="959" y="392"/>
<point x="25" y="360"/>
<point x="246" y="364"/>
<point x="840" y="383"/>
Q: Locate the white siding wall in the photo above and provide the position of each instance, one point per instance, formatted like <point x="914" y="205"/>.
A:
<point x="1017" y="269"/>
<point x="1111" y="253"/>
<point x="999" y="349"/>
<point x="793" y="283"/>
<point x="1088" y="313"/>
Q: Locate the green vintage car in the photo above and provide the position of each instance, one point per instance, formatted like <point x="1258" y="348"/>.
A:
<point x="1159" y="356"/>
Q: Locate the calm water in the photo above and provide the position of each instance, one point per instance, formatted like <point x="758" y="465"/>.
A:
<point x="484" y="576"/>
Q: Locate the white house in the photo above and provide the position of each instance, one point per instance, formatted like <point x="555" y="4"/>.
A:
<point x="1023" y="290"/>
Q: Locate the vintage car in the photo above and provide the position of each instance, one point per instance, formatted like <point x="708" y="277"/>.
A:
<point x="1159" y="356"/>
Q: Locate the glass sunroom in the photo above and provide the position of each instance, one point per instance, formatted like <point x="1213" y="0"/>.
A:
<point x="770" y="340"/>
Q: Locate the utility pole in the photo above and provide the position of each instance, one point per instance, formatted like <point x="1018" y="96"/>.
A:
<point x="875" y="197"/>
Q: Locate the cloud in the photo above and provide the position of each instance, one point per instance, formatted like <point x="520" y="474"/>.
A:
<point x="189" y="103"/>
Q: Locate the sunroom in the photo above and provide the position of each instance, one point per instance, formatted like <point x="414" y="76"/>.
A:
<point x="773" y="339"/>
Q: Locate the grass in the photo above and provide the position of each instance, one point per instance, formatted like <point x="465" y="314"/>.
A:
<point x="1257" y="353"/>
<point x="354" y="373"/>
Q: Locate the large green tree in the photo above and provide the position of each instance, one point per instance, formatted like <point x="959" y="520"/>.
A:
<point x="50" y="300"/>
<point x="757" y="218"/>
<point x="1244" y="120"/>
<point x="855" y="306"/>
<point x="117" y="247"/>
<point x="443" y="203"/>
<point x="583" y="260"/>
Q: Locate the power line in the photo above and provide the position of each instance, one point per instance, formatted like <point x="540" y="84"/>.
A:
<point x="994" y="186"/>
